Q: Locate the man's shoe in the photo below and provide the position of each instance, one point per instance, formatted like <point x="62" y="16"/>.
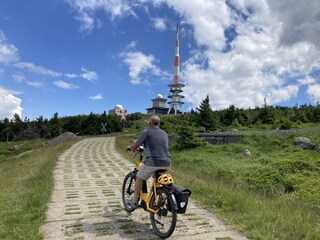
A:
<point x="132" y="205"/>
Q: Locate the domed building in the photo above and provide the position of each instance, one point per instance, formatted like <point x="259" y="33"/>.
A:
<point x="116" y="108"/>
<point x="158" y="106"/>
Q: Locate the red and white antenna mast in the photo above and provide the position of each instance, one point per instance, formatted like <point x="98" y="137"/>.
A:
<point x="176" y="87"/>
<point x="177" y="59"/>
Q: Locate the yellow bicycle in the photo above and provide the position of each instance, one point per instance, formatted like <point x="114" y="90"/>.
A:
<point x="163" y="201"/>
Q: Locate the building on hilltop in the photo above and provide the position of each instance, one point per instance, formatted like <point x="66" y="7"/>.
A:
<point x="158" y="106"/>
<point x="115" y="109"/>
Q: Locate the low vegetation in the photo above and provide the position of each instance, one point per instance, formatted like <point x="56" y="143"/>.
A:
<point x="274" y="194"/>
<point x="26" y="184"/>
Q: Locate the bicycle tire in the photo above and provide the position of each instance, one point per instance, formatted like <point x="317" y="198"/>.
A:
<point x="128" y="190"/>
<point x="167" y="212"/>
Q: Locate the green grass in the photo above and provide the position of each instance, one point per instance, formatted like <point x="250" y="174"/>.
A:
<point x="21" y="147"/>
<point x="272" y="195"/>
<point x="26" y="183"/>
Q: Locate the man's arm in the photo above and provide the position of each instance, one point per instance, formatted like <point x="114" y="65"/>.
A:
<point x="133" y="147"/>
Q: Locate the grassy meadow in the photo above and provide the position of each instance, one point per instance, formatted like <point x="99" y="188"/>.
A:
<point x="274" y="194"/>
<point x="26" y="184"/>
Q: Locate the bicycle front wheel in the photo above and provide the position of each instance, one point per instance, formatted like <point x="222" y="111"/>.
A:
<point x="128" y="190"/>
<point x="164" y="221"/>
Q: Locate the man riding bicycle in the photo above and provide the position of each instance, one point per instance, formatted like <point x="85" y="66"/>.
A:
<point x="156" y="146"/>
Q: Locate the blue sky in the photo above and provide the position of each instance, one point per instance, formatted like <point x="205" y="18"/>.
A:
<point x="81" y="56"/>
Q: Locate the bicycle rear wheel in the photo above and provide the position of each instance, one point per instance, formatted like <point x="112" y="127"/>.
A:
<point x="163" y="222"/>
<point x="128" y="190"/>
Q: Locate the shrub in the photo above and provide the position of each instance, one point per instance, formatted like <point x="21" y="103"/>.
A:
<point x="187" y="138"/>
<point x="285" y="125"/>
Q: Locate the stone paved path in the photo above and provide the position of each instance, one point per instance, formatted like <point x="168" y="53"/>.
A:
<point x="86" y="202"/>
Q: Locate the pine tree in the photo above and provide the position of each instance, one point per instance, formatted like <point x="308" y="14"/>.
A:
<point x="54" y="126"/>
<point x="207" y="118"/>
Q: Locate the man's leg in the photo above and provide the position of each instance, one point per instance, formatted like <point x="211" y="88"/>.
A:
<point x="144" y="174"/>
<point x="137" y="189"/>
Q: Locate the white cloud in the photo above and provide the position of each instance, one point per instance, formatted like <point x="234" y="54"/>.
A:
<point x="65" y="85"/>
<point x="86" y="22"/>
<point x="71" y="75"/>
<point x="19" y="77"/>
<point x="160" y="23"/>
<point x="34" y="84"/>
<point x="87" y="8"/>
<point x="96" y="97"/>
<point x="307" y="80"/>
<point x="300" y="21"/>
<point x="10" y="104"/>
<point x="139" y="64"/>
<point x="132" y="44"/>
<point x="249" y="49"/>
<point x="314" y="92"/>
<point x="208" y="27"/>
<point x="278" y="95"/>
<point x="37" y="69"/>
<point x="31" y="67"/>
<point x="8" y="52"/>
<point x="88" y="75"/>
<point x="258" y="61"/>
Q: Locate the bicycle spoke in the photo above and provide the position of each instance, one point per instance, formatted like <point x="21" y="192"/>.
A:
<point x="127" y="190"/>
<point x="159" y="222"/>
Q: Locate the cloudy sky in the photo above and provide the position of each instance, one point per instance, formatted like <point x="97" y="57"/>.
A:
<point x="81" y="56"/>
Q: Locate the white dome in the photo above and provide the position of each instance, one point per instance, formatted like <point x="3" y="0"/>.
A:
<point x="159" y="96"/>
<point x="118" y="106"/>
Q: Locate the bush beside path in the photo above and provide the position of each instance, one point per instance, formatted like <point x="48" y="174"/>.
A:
<point x="86" y="201"/>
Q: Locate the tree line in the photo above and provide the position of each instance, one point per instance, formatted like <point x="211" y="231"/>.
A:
<point x="203" y="118"/>
<point x="17" y="128"/>
<point x="265" y="117"/>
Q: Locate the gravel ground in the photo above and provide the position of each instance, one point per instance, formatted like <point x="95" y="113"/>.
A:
<point x="86" y="201"/>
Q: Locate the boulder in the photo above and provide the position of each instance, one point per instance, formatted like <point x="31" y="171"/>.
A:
<point x="64" y="137"/>
<point x="304" y="143"/>
<point x="246" y="153"/>
<point x="15" y="147"/>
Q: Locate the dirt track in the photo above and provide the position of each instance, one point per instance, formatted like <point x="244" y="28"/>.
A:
<point x="86" y="202"/>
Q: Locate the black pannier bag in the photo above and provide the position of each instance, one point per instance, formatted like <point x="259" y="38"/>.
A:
<point x="182" y="196"/>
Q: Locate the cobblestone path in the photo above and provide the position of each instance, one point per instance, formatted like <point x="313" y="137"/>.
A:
<point x="86" y="202"/>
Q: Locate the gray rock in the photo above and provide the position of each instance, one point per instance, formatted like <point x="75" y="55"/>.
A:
<point x="15" y="147"/>
<point x="246" y="152"/>
<point x="304" y="143"/>
<point x="64" y="137"/>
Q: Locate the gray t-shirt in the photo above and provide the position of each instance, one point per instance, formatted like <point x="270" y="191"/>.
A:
<point x="155" y="142"/>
